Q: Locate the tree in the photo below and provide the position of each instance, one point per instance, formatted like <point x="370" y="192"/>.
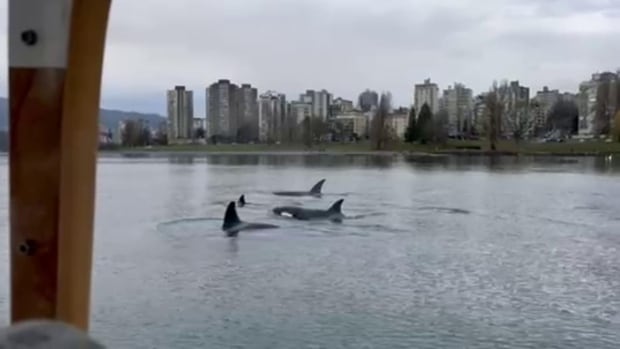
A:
<point x="425" y="125"/>
<point x="199" y="133"/>
<point x="4" y="141"/>
<point x="319" y="128"/>
<point x="494" y="110"/>
<point x="602" y="108"/>
<point x="313" y="130"/>
<point x="244" y="134"/>
<point x="161" y="137"/>
<point x="336" y="130"/>
<point x="379" y="129"/>
<point x="616" y="133"/>
<point x="411" y="132"/>
<point x="145" y="137"/>
<point x="135" y="134"/>
<point x="439" y="127"/>
<point x="131" y="134"/>
<point x="563" y="116"/>
<point x="518" y="120"/>
<point x="291" y="132"/>
<point x="307" y="131"/>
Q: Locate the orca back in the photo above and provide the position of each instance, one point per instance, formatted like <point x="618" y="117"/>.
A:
<point x="316" y="189"/>
<point x="336" y="207"/>
<point x="242" y="200"/>
<point x="231" y="218"/>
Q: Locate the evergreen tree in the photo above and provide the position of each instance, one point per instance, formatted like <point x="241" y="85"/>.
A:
<point x="616" y="133"/>
<point x="411" y="134"/>
<point x="425" y="124"/>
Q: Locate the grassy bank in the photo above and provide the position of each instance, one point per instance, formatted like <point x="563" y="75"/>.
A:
<point x="452" y="147"/>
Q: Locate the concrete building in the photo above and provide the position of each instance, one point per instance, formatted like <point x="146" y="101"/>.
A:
<point x="458" y="101"/>
<point x="222" y="110"/>
<point x="105" y="135"/>
<point x="320" y="101"/>
<point x="516" y="109"/>
<point x="368" y="100"/>
<point x="298" y="111"/>
<point x="598" y="100"/>
<point x="428" y="93"/>
<point x="272" y="117"/>
<point x="586" y="103"/>
<point x="247" y="119"/>
<point x="354" y="123"/>
<point x="397" y="123"/>
<point x="479" y="121"/>
<point x="117" y="135"/>
<point x="542" y="104"/>
<point x="199" y="123"/>
<point x="180" y="114"/>
<point x="341" y="105"/>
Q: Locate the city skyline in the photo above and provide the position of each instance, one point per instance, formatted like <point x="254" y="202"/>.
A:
<point x="269" y="118"/>
<point x="539" y="43"/>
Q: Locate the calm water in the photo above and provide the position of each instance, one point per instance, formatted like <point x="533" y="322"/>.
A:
<point x="445" y="253"/>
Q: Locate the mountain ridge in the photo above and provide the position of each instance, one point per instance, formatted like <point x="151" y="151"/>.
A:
<point x="107" y="117"/>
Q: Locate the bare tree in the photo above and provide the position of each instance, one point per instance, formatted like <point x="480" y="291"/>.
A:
<point x="313" y="129"/>
<point x="379" y="129"/>
<point x="518" y="120"/>
<point x="494" y="109"/>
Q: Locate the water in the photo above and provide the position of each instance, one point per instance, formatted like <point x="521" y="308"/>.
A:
<point x="443" y="253"/>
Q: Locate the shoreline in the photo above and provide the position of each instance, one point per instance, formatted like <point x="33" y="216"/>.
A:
<point x="384" y="153"/>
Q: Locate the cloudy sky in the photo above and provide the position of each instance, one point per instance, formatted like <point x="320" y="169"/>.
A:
<point x="346" y="46"/>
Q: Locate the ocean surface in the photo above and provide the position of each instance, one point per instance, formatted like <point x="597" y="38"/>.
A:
<point x="450" y="252"/>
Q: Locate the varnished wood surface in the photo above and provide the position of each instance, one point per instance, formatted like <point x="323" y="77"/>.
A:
<point x="34" y="158"/>
<point x="79" y="142"/>
<point x="52" y="158"/>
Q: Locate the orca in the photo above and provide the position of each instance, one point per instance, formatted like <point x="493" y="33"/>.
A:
<point x="334" y="213"/>
<point x="241" y="201"/>
<point x="232" y="225"/>
<point x="314" y="191"/>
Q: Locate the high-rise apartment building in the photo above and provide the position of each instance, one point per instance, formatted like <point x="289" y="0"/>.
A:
<point x="598" y="101"/>
<point x="542" y="104"/>
<point x="459" y="103"/>
<point x="426" y="93"/>
<point x="232" y="112"/>
<point x="341" y="105"/>
<point x="516" y="109"/>
<point x="320" y="101"/>
<point x="272" y="115"/>
<point x="222" y="110"/>
<point x="180" y="114"/>
<point x="368" y="100"/>
<point x="248" y="119"/>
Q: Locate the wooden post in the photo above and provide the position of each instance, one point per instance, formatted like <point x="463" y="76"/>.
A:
<point x="55" y="61"/>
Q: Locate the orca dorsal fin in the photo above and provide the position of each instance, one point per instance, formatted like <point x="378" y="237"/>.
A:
<point x="242" y="200"/>
<point x="316" y="189"/>
<point x="336" y="207"/>
<point x="231" y="218"/>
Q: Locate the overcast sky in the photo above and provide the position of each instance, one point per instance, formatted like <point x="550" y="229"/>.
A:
<point x="346" y="46"/>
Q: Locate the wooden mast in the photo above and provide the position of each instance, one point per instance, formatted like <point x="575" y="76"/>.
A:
<point x="55" y="62"/>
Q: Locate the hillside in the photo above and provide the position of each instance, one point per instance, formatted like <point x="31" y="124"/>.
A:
<point x="108" y="117"/>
